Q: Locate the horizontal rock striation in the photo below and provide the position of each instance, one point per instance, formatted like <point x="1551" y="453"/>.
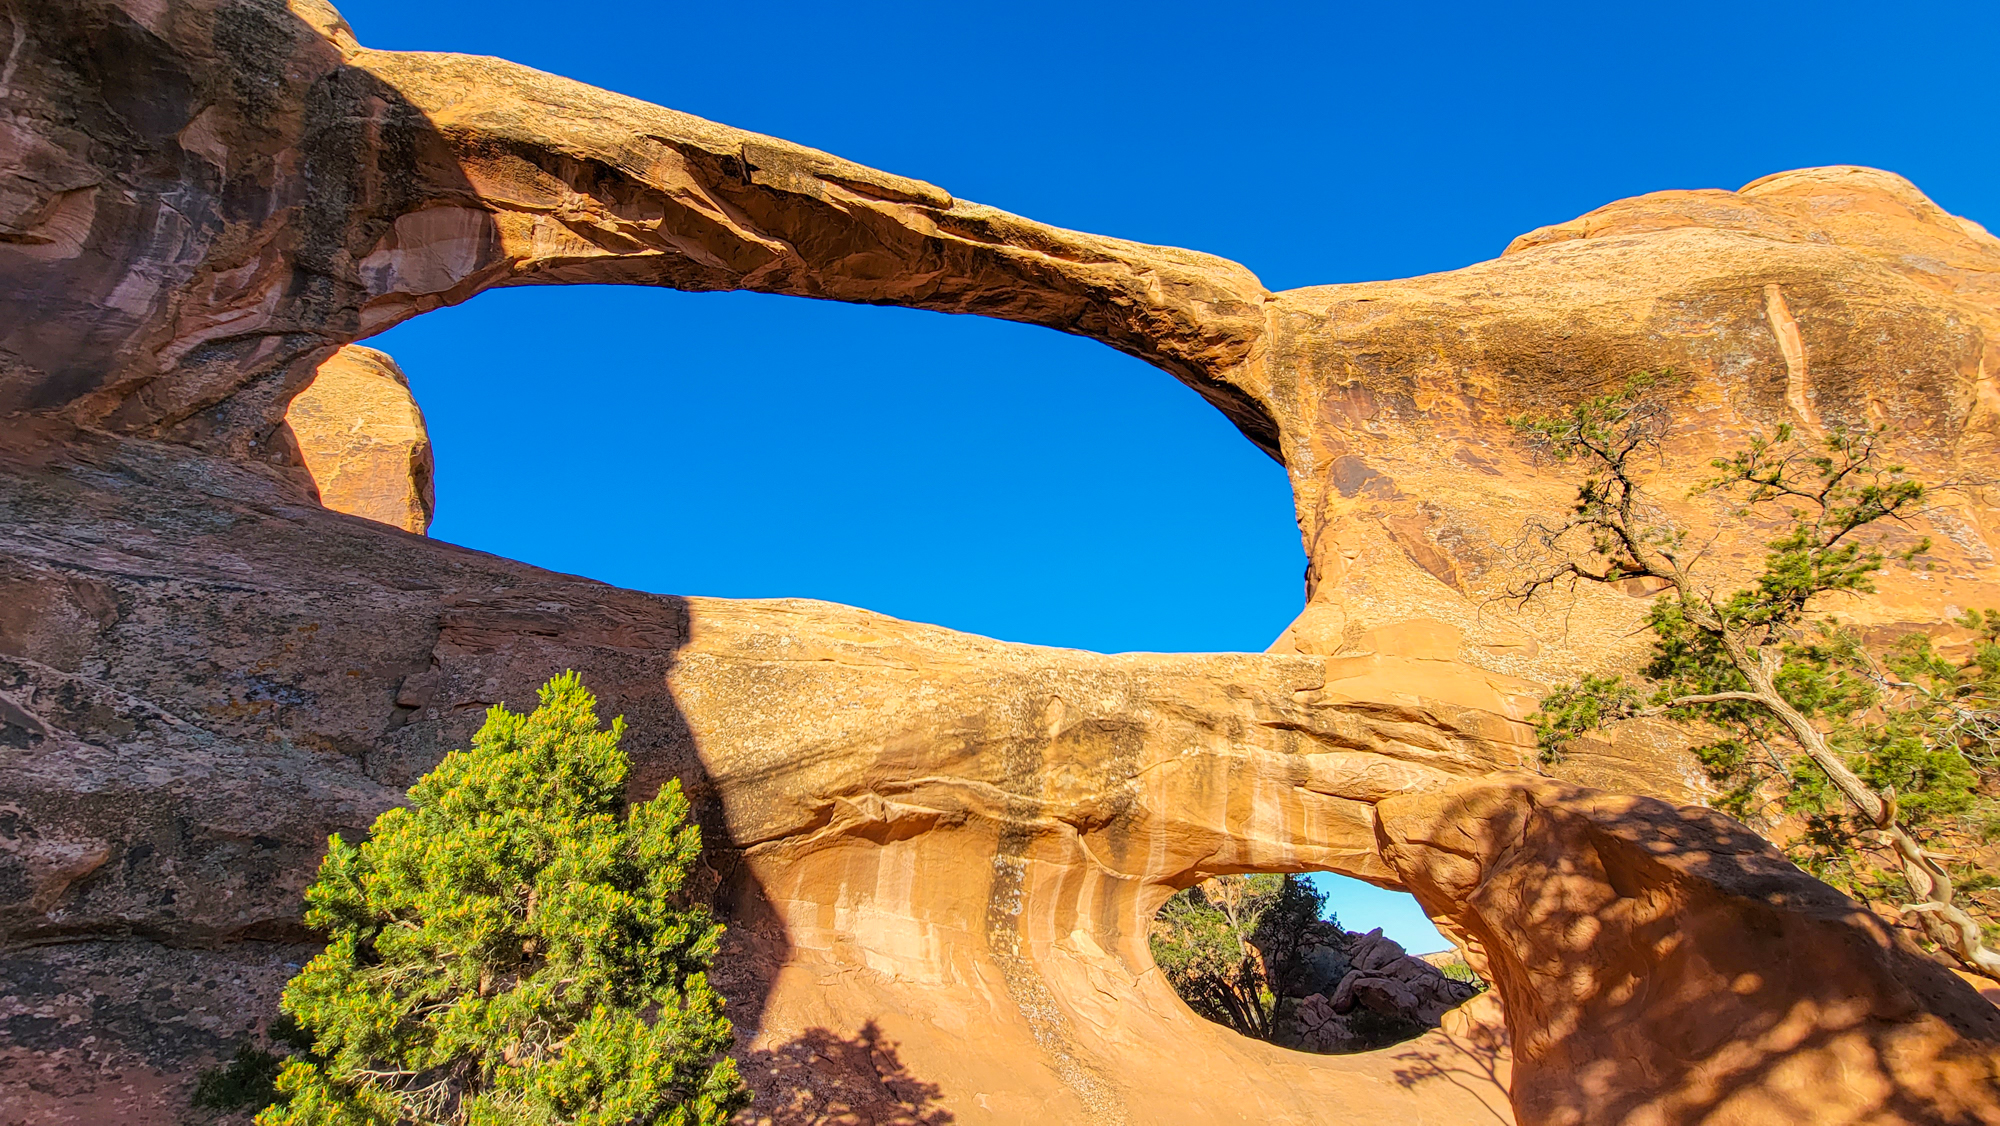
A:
<point x="939" y="853"/>
<point x="956" y="843"/>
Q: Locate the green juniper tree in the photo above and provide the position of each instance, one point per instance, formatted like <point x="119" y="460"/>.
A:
<point x="1865" y="748"/>
<point x="1218" y="942"/>
<point x="514" y="947"/>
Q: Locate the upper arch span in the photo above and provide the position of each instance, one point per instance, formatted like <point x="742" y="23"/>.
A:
<point x="373" y="186"/>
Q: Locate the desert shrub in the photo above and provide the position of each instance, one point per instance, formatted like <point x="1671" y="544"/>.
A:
<point x="516" y="946"/>
<point x="1222" y="944"/>
<point x="1869" y="750"/>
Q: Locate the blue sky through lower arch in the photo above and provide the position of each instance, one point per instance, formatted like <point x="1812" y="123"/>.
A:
<point x="1362" y="906"/>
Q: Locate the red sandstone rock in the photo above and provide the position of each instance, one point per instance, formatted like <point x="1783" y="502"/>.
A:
<point x="1668" y="965"/>
<point x="363" y="440"/>
<point x="938" y="853"/>
<point x="926" y="843"/>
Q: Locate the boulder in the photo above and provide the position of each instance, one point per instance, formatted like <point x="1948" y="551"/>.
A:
<point x="363" y="441"/>
<point x="1395" y="985"/>
<point x="1321" y="1028"/>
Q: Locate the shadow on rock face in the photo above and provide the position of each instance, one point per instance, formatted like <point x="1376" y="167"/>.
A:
<point x="1469" y="1052"/>
<point x="169" y="823"/>
<point x="274" y="200"/>
<point x="1663" y="963"/>
<point x="821" y="1076"/>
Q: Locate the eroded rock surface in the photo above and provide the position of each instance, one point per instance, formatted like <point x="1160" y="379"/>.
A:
<point x="362" y="440"/>
<point x="930" y="845"/>
<point x="1826" y="298"/>
<point x="939" y="853"/>
<point x="1665" y="964"/>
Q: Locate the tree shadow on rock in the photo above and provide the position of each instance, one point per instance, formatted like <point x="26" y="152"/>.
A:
<point x="1667" y="962"/>
<point x="821" y="1077"/>
<point x="1474" y="1063"/>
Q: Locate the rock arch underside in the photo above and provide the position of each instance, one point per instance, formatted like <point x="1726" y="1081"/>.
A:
<point x="938" y="853"/>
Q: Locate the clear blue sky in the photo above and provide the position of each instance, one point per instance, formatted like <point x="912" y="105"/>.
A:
<point x="1017" y="483"/>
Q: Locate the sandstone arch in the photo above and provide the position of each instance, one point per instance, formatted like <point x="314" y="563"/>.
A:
<point x="949" y="842"/>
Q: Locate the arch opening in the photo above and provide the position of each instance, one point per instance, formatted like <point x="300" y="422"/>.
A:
<point x="985" y="475"/>
<point x="1268" y="956"/>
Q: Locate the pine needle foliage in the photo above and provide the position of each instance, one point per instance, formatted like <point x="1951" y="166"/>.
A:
<point x="1870" y="750"/>
<point x="514" y="947"/>
<point x="1211" y="942"/>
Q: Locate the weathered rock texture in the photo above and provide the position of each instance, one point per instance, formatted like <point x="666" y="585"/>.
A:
<point x="1678" y="969"/>
<point x="935" y="843"/>
<point x="939" y="852"/>
<point x="1352" y="978"/>
<point x="1827" y="298"/>
<point x="362" y="440"/>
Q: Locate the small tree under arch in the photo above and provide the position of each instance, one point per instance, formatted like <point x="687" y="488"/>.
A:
<point x="514" y="947"/>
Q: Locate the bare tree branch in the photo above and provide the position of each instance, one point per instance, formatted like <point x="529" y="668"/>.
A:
<point x="1847" y="487"/>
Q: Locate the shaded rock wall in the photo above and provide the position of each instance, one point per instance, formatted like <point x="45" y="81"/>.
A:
<point x="280" y="191"/>
<point x="939" y="853"/>
<point x="951" y="843"/>
<point x="1668" y="965"/>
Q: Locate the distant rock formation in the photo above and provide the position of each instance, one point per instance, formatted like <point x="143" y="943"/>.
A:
<point x="939" y="854"/>
<point x="1354" y="992"/>
<point x="362" y="440"/>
